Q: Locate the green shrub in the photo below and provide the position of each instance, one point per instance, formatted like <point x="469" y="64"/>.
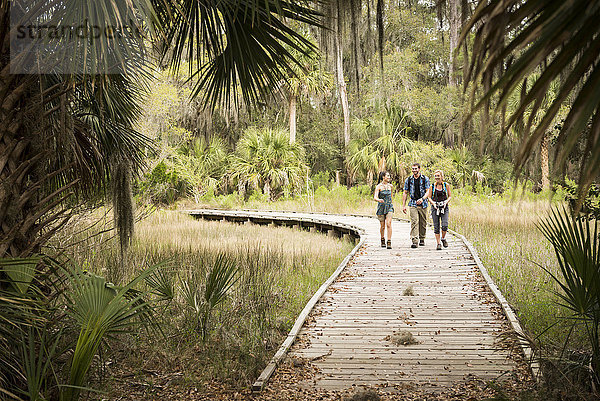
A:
<point x="591" y="199"/>
<point x="162" y="185"/>
<point x="322" y="178"/>
<point x="321" y="192"/>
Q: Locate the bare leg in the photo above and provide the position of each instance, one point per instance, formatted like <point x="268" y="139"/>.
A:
<point x="437" y="236"/>
<point x="382" y="228"/>
<point x="388" y="224"/>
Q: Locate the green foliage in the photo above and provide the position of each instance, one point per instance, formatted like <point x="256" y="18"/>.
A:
<point x="432" y="156"/>
<point x="101" y="309"/>
<point x="322" y="178"/>
<point x="33" y="321"/>
<point x="576" y="243"/>
<point x="203" y="296"/>
<point x="559" y="40"/>
<point x="317" y="125"/>
<point x="264" y="159"/>
<point x="588" y="204"/>
<point x="38" y="347"/>
<point x="195" y="168"/>
<point x="380" y="144"/>
<point x="497" y="173"/>
<point x="162" y="185"/>
<point x="201" y="165"/>
<point x="24" y="312"/>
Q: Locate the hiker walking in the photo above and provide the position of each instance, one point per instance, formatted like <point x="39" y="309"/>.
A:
<point x="385" y="208"/>
<point x="416" y="187"/>
<point x="439" y="193"/>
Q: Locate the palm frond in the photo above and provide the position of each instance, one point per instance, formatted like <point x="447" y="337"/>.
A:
<point x="559" y="39"/>
<point x="577" y="246"/>
<point x="101" y="309"/>
<point x="235" y="43"/>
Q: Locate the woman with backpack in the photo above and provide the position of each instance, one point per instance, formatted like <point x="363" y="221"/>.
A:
<point x="439" y="193"/>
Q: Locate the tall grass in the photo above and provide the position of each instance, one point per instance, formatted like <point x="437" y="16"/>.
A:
<point x="277" y="270"/>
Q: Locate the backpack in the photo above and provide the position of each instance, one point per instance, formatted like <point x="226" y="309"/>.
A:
<point x="433" y="190"/>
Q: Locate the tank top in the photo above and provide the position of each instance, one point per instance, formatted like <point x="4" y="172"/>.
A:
<point x="439" y="195"/>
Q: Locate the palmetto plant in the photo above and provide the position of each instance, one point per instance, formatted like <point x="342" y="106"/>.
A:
<point x="265" y="159"/>
<point x="201" y="164"/>
<point x="576" y="243"/>
<point x="24" y="313"/>
<point x="464" y="162"/>
<point x="203" y="298"/>
<point x="100" y="310"/>
<point x="559" y="39"/>
<point x="380" y="145"/>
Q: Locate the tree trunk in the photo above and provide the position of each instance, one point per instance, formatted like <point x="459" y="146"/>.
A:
<point x="342" y="83"/>
<point x="380" y="33"/>
<point x="267" y="190"/>
<point x="454" y="21"/>
<point x="370" y="179"/>
<point x="354" y="28"/>
<point x="293" y="100"/>
<point x="369" y="47"/>
<point x="544" y="151"/>
<point x="28" y="218"/>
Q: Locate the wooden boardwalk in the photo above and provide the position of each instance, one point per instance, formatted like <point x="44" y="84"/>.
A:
<point x="437" y="302"/>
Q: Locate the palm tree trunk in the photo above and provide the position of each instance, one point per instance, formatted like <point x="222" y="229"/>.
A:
<point x="26" y="217"/>
<point x="267" y="190"/>
<point x="293" y="117"/>
<point x="544" y="151"/>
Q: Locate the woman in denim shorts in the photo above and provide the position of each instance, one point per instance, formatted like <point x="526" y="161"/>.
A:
<point x="385" y="208"/>
<point x="439" y="193"/>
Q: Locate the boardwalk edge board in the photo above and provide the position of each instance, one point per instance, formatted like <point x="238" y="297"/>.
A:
<point x="357" y="231"/>
<point x="260" y="383"/>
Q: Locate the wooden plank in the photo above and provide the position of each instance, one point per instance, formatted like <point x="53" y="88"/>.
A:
<point x="372" y="364"/>
<point x="419" y="348"/>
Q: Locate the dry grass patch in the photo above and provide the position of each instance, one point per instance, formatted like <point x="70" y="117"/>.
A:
<point x="278" y="270"/>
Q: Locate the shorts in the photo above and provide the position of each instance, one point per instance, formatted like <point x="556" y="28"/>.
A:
<point x="382" y="217"/>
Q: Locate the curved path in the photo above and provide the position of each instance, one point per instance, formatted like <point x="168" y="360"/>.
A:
<point x="419" y="316"/>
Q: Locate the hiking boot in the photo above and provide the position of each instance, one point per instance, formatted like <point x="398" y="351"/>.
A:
<point x="383" y="242"/>
<point x="414" y="245"/>
<point x="439" y="247"/>
<point x="444" y="242"/>
<point x="389" y="244"/>
<point x="422" y="242"/>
